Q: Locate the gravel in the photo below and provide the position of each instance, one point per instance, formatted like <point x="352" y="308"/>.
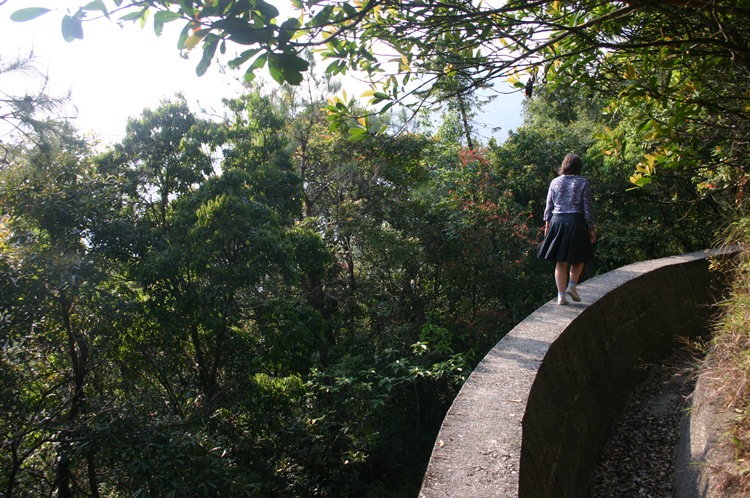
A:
<point x="637" y="460"/>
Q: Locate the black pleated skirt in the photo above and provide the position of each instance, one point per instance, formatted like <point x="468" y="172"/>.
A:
<point x="568" y="239"/>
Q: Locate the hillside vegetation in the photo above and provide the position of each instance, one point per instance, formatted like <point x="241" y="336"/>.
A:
<point x="727" y="365"/>
<point x="260" y="306"/>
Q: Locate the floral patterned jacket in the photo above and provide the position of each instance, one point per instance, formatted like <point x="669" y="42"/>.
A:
<point x="570" y="194"/>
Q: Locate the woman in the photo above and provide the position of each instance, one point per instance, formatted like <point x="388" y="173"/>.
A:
<point x="569" y="227"/>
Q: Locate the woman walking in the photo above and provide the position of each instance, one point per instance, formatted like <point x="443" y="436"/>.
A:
<point x="569" y="227"/>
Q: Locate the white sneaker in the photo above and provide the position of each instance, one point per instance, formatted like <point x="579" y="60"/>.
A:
<point x="573" y="293"/>
<point x="561" y="299"/>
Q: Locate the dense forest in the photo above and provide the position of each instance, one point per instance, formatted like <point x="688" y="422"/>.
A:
<point x="260" y="306"/>
<point x="283" y="301"/>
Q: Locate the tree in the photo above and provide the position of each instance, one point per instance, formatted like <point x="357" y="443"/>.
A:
<point x="257" y="331"/>
<point x="685" y="90"/>
<point x="60" y="319"/>
<point x="661" y="218"/>
<point x="36" y="116"/>
<point x="166" y="152"/>
<point x="224" y="333"/>
<point x="154" y="332"/>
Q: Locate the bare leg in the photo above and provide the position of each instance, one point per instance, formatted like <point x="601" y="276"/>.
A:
<point x="561" y="275"/>
<point x="575" y="272"/>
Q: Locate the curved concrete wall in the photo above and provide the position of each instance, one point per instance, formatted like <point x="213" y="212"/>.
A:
<point x="530" y="419"/>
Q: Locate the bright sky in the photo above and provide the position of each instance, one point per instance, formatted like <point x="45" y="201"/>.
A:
<point x="115" y="73"/>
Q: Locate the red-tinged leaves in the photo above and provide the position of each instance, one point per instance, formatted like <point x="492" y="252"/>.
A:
<point x="192" y="41"/>
<point x="184" y="35"/>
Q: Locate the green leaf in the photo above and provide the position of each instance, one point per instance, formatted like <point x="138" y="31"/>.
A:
<point x="187" y="7"/>
<point x="243" y="58"/>
<point x="274" y="69"/>
<point x="257" y="64"/>
<point x="266" y="9"/>
<point x="242" y="32"/>
<point x="341" y="68"/>
<point x="332" y="67"/>
<point x="378" y="97"/>
<point x="350" y="11"/>
<point x="165" y="16"/>
<point x="287" y="30"/>
<point x="357" y="134"/>
<point x="162" y="17"/>
<point x="28" y="14"/>
<point x="645" y="126"/>
<point x="97" y="5"/>
<point x="133" y="15"/>
<point x="249" y="75"/>
<point x="323" y="15"/>
<point x="653" y="82"/>
<point x="286" y="67"/>
<point x="209" y="49"/>
<point x="183" y="37"/>
<point x="367" y="54"/>
<point x="265" y="35"/>
<point x="71" y="28"/>
<point x="144" y="17"/>
<point x="386" y="107"/>
<point x="244" y="37"/>
<point x="209" y="9"/>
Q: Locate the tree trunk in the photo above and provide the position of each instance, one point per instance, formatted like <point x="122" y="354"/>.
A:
<point x="9" y="489"/>
<point x="419" y="406"/>
<point x="465" y="120"/>
<point x="93" y="485"/>
<point x="315" y="298"/>
<point x="78" y="352"/>
<point x="200" y="359"/>
<point x="62" y="479"/>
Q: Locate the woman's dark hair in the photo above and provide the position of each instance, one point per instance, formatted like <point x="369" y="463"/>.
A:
<point x="571" y="165"/>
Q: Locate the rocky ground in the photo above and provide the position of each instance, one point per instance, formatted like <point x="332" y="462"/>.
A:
<point x="638" y="458"/>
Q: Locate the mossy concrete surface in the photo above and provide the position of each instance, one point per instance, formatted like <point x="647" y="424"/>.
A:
<point x="530" y="419"/>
